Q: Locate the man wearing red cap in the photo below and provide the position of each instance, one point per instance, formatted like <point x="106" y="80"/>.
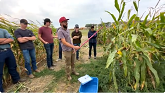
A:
<point x="67" y="47"/>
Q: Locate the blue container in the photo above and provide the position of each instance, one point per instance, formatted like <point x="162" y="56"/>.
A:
<point x="91" y="86"/>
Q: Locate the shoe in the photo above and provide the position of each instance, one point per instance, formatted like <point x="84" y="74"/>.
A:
<point x="31" y="76"/>
<point x="53" y="65"/>
<point x="58" y="59"/>
<point x="78" y="59"/>
<point x="69" y="78"/>
<point x="89" y="57"/>
<point x="37" y="70"/>
<point x="51" y="68"/>
<point x="20" y="80"/>
<point x="75" y="73"/>
<point x="94" y="57"/>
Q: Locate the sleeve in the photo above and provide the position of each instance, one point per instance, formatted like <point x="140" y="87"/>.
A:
<point x="7" y="35"/>
<point x="72" y="34"/>
<point x="80" y="35"/>
<point x="40" y="31"/>
<point x="32" y="34"/>
<point x="60" y="35"/>
<point x="88" y="34"/>
<point x="16" y="34"/>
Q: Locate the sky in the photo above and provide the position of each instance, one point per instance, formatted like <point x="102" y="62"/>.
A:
<point x="78" y="11"/>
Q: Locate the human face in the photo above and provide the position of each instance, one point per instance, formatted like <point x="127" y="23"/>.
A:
<point x="64" y="24"/>
<point x="24" y="25"/>
<point x="77" y="29"/>
<point x="48" y="23"/>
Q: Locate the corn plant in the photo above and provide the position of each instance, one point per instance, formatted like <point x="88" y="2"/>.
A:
<point x="135" y="45"/>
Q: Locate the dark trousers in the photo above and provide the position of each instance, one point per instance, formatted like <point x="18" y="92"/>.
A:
<point x="60" y="51"/>
<point x="90" y="48"/>
<point x="7" y="57"/>
<point x="49" y="51"/>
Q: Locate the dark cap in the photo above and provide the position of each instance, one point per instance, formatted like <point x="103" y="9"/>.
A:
<point x="62" y="19"/>
<point x="76" y="26"/>
<point x="47" y="20"/>
<point x="92" y="26"/>
<point x="24" y="21"/>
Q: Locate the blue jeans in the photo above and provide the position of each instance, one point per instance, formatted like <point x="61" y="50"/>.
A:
<point x="90" y="48"/>
<point x="60" y="51"/>
<point x="49" y="51"/>
<point x="7" y="57"/>
<point x="77" y="52"/>
<point x="27" y="54"/>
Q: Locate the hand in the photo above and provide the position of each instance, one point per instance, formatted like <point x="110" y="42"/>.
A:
<point x="46" y="43"/>
<point x="78" y="36"/>
<point x="76" y="47"/>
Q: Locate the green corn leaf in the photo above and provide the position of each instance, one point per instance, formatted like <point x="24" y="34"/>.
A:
<point x="124" y="59"/>
<point x="151" y="68"/>
<point x="114" y="18"/>
<point x="137" y="74"/>
<point x="121" y="13"/>
<point x="111" y="58"/>
<point x="114" y="81"/>
<point x="117" y="5"/>
<point x="134" y="37"/>
<point x="129" y="12"/>
<point x="130" y="20"/>
<point x="135" y="5"/>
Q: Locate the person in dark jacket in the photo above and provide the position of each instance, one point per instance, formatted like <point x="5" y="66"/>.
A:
<point x="92" y="41"/>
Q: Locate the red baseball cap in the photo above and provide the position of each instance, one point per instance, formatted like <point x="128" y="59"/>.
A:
<point x="62" y="19"/>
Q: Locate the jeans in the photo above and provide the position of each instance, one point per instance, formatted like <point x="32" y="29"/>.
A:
<point x="27" y="54"/>
<point x="49" y="51"/>
<point x="60" y="51"/>
<point x="90" y="48"/>
<point x="7" y="57"/>
<point x="77" y="52"/>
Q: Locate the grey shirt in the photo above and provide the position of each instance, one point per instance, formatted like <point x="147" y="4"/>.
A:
<point x="4" y="34"/>
<point x="66" y="35"/>
<point x="24" y="33"/>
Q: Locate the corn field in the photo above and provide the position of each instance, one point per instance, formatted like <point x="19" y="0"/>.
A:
<point x="40" y="51"/>
<point x="135" y="45"/>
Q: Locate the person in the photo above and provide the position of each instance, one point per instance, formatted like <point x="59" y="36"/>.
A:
<point x="45" y="35"/>
<point x="67" y="47"/>
<point x="7" y="57"/>
<point x="60" y="49"/>
<point x="25" y="40"/>
<point x="76" y="35"/>
<point x="92" y="41"/>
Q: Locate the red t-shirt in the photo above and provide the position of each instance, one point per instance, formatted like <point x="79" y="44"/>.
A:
<point x="46" y="34"/>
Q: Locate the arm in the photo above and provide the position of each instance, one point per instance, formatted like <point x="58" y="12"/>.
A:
<point x="73" y="36"/>
<point x="39" y="36"/>
<point x="22" y="40"/>
<point x="30" y="38"/>
<point x="6" y="41"/>
<point x="2" y="39"/>
<point x="68" y="44"/>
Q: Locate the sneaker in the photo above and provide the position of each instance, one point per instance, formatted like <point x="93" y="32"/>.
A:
<point x="94" y="57"/>
<point x="37" y="70"/>
<point x="89" y="57"/>
<point x="51" y="68"/>
<point x="20" y="80"/>
<point x="53" y="65"/>
<point x="59" y="59"/>
<point x="78" y="59"/>
<point x="31" y="76"/>
<point x="75" y="73"/>
<point x="69" y="78"/>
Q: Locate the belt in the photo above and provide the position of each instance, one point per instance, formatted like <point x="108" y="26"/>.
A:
<point x="3" y="50"/>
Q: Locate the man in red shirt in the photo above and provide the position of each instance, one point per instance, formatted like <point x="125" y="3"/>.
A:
<point x="46" y="36"/>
